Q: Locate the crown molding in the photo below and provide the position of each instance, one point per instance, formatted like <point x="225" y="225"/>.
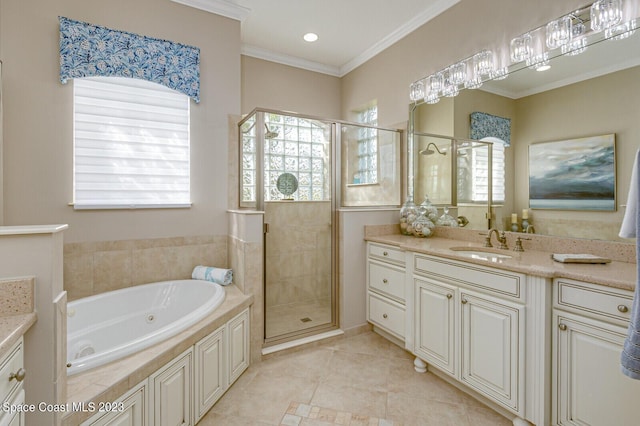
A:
<point x="402" y="31"/>
<point x="293" y="61"/>
<point x="226" y="8"/>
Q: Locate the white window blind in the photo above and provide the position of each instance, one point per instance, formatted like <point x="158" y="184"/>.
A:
<point x="480" y="178"/>
<point x="131" y="144"/>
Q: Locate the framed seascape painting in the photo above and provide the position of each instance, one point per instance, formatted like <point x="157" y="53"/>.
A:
<point x="573" y="174"/>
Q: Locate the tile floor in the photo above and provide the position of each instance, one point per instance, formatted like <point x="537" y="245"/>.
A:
<point x="360" y="380"/>
<point x="285" y="319"/>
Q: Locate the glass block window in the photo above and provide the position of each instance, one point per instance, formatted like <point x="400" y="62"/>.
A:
<point x="292" y="145"/>
<point x="368" y="146"/>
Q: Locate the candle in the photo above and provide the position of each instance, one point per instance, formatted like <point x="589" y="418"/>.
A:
<point x="514" y="218"/>
<point x="525" y="214"/>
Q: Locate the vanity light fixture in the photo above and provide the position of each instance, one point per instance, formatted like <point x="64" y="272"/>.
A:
<point x="310" y="37"/>
<point x="567" y="35"/>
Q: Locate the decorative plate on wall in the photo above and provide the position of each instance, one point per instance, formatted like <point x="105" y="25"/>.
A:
<point x="287" y="184"/>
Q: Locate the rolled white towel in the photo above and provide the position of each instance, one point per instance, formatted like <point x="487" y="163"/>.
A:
<point x="216" y="275"/>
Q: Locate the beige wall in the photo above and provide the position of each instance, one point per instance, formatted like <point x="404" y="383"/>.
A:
<point x="38" y="137"/>
<point x="270" y="85"/>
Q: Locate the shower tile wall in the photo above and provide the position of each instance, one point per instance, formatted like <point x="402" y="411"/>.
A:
<point x="298" y="263"/>
<point x="95" y="267"/>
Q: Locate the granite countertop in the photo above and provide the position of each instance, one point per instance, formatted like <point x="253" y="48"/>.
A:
<point x="12" y="327"/>
<point x="616" y="274"/>
<point x="17" y="313"/>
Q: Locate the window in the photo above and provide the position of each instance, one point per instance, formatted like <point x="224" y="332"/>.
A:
<point x="367" y="146"/>
<point x="131" y="144"/>
<point x="473" y="173"/>
<point x="299" y="146"/>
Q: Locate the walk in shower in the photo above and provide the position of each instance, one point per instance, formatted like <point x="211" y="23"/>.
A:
<point x="290" y="168"/>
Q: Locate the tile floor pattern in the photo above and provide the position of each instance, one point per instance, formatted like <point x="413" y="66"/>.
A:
<point x="360" y="379"/>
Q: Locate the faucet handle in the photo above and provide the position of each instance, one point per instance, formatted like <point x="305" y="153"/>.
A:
<point x="518" y="246"/>
<point x="503" y="241"/>
<point x="487" y="239"/>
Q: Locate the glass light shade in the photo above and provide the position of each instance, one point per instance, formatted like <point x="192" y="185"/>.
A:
<point x="483" y="63"/>
<point x="432" y="98"/>
<point x="559" y="32"/>
<point x="473" y="83"/>
<point x="521" y="48"/>
<point x="450" y="90"/>
<point x="435" y="83"/>
<point x="539" y="62"/>
<point x="605" y="14"/>
<point x="500" y="73"/>
<point x="457" y="73"/>
<point x="417" y="90"/>
<point x="578" y="42"/>
<point x="622" y="31"/>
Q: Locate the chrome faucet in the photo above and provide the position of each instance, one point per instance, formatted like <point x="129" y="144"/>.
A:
<point x="502" y="239"/>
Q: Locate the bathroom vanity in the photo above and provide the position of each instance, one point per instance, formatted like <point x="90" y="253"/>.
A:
<point x="536" y="340"/>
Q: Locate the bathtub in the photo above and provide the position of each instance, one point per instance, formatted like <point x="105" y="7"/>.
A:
<point x="112" y="325"/>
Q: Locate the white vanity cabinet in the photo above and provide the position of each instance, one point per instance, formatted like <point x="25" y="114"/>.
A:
<point x="469" y="323"/>
<point x="128" y="410"/>
<point x="12" y="375"/>
<point x="238" y="344"/>
<point x="589" y="327"/>
<point x="170" y="392"/>
<point x="386" y="289"/>
<point x="210" y="372"/>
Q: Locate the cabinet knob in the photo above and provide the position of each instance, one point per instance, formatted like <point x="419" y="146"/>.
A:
<point x="385" y="281"/>
<point x="464" y="301"/>
<point x="449" y="295"/>
<point x="384" y="253"/>
<point x="562" y="327"/>
<point x="623" y="309"/>
<point x="18" y="375"/>
<point x="385" y="316"/>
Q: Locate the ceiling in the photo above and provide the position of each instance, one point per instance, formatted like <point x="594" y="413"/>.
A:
<point x="350" y="31"/>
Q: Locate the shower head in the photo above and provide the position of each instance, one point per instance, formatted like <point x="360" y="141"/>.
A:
<point x="428" y="151"/>
<point x="270" y="134"/>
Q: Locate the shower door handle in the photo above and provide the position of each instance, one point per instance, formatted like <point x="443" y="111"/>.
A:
<point x="265" y="228"/>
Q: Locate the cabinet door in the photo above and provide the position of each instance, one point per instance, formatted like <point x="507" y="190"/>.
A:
<point x="17" y="418"/>
<point x="491" y="348"/>
<point x="238" y="332"/>
<point x="210" y="367"/>
<point x="435" y="324"/>
<point x="170" y="392"/>
<point x="588" y="386"/>
<point x="129" y="410"/>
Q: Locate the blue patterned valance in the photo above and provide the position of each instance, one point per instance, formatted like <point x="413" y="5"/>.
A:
<point x="91" y="51"/>
<point x="485" y="125"/>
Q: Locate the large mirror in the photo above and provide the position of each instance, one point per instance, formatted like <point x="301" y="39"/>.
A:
<point x="591" y="94"/>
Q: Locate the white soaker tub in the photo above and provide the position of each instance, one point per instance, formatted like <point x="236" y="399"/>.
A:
<point x="112" y="325"/>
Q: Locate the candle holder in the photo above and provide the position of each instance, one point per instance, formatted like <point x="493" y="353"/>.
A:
<point x="514" y="227"/>
<point x="525" y="225"/>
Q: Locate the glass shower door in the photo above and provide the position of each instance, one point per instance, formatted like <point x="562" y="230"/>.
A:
<point x="296" y="197"/>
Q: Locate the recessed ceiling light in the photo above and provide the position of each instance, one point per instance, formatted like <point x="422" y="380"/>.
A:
<point x="310" y="37"/>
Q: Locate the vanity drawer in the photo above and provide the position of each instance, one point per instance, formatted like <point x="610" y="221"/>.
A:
<point x="12" y="362"/>
<point x="386" y="315"/>
<point x="387" y="279"/>
<point x="386" y="253"/>
<point x="494" y="281"/>
<point x="593" y="299"/>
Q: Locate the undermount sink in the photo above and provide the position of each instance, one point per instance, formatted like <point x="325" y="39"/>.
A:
<point x="480" y="253"/>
